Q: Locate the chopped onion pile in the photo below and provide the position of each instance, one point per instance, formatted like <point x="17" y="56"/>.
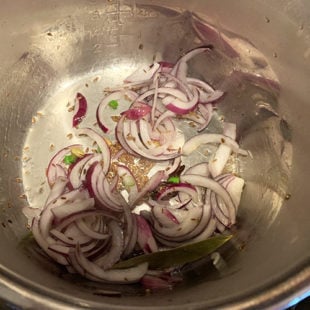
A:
<point x="90" y="219"/>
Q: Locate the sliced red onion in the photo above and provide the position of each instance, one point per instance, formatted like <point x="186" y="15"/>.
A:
<point x="44" y="244"/>
<point x="68" y="209"/>
<point x="174" y="82"/>
<point x="115" y="198"/>
<point x="165" y="216"/>
<point x="130" y="232"/>
<point x="60" y="171"/>
<point x="89" y="232"/>
<point x="76" y="170"/>
<point x="57" y="159"/>
<point x="137" y="111"/>
<point x="217" y="210"/>
<point x="221" y="156"/>
<point x="60" y="249"/>
<point x="132" y="140"/>
<point x="189" y="55"/>
<point x="178" y="94"/>
<point x="123" y="139"/>
<point x="121" y="276"/>
<point x="80" y="109"/>
<point x="197" y="180"/>
<point x="181" y="107"/>
<point x="193" y="143"/>
<point x="83" y="215"/>
<point x="116" y="250"/>
<point x="220" y="227"/>
<point x="69" y="240"/>
<point x="235" y="188"/>
<point x="204" y="229"/>
<point x="200" y="228"/>
<point x="46" y="217"/>
<point x="206" y="110"/>
<point x="162" y="117"/>
<point x="201" y="84"/>
<point x="210" y="98"/>
<point x="145" y="239"/>
<point x="190" y="220"/>
<point x="100" y="112"/>
<point x="155" y="98"/>
<point x="145" y="129"/>
<point x="128" y="95"/>
<point x="97" y="186"/>
<point x="171" y="169"/>
<point x="102" y="144"/>
<point x="181" y="187"/>
<point x="199" y="169"/>
<point x="57" y="189"/>
<point x="165" y="66"/>
<point x="155" y="283"/>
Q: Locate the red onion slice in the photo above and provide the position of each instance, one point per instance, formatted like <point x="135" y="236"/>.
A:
<point x="102" y="144"/>
<point x="181" y="187"/>
<point x="189" y="55"/>
<point x="206" y="110"/>
<point x="69" y="240"/>
<point x="57" y="189"/>
<point x="121" y="276"/>
<point x="166" y="91"/>
<point x="76" y="170"/>
<point x="97" y="186"/>
<point x="197" y="180"/>
<point x="200" y="84"/>
<point x="130" y="231"/>
<point x="145" y="238"/>
<point x="46" y="217"/>
<point x="60" y="259"/>
<point x="155" y="283"/>
<point x="80" y="109"/>
<point x="235" y="188"/>
<point x="68" y="209"/>
<point x="190" y="220"/>
<point x="221" y="156"/>
<point x="181" y="107"/>
<point x="76" y="216"/>
<point x="137" y="111"/>
<point x="122" y="138"/>
<point x="100" y="112"/>
<point x="116" y="250"/>
<point x="218" y="210"/>
<point x="57" y="159"/>
<point x="199" y="169"/>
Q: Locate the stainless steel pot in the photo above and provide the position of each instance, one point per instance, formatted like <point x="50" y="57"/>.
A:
<point x="52" y="48"/>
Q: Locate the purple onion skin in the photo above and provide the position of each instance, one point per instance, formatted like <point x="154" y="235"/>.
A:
<point x="82" y="109"/>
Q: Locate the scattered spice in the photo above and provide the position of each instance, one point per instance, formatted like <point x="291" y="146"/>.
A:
<point x="69" y="136"/>
<point x="52" y="147"/>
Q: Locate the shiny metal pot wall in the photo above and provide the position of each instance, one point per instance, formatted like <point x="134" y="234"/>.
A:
<point x="51" y="48"/>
